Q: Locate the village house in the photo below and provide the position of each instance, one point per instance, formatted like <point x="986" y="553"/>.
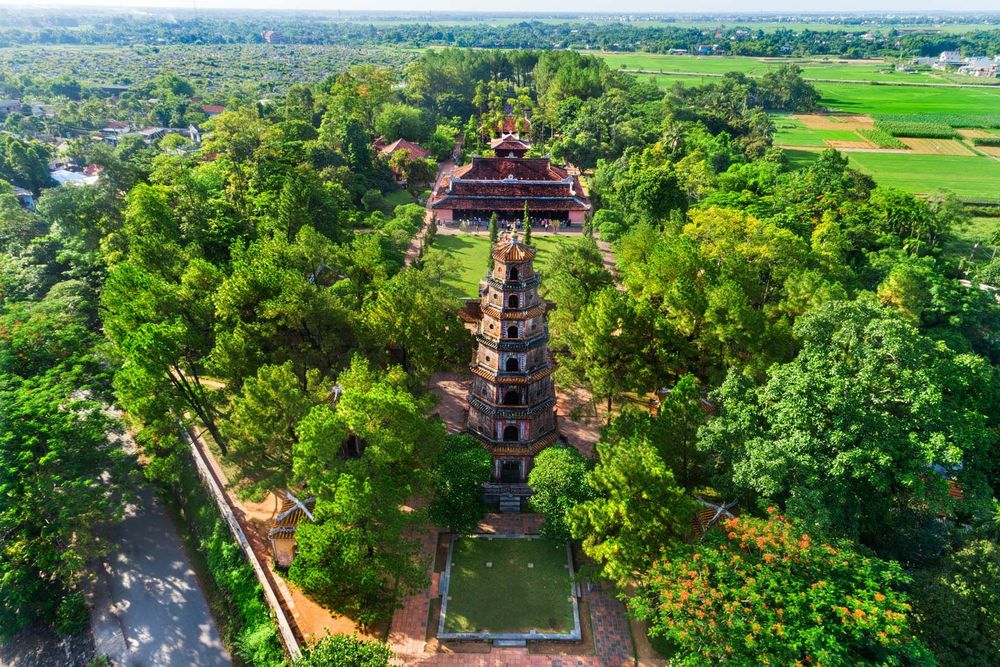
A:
<point x="10" y="106"/>
<point x="212" y="110"/>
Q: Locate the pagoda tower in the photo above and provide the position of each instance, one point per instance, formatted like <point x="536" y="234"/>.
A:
<point x="512" y="402"/>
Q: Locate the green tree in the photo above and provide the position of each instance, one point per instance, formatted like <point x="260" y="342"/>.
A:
<point x="364" y="458"/>
<point x="527" y="225"/>
<point x="616" y="346"/>
<point x="54" y="448"/>
<point x="262" y="421"/>
<point x="459" y="471"/>
<point x="493" y="241"/>
<point x="762" y="591"/>
<point x="558" y="483"/>
<point x="956" y="606"/>
<point x="847" y="437"/>
<point x="415" y="317"/>
<point x="638" y="509"/>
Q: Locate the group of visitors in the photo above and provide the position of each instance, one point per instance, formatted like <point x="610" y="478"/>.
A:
<point x="478" y="224"/>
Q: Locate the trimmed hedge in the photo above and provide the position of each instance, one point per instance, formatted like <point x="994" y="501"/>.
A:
<point x="237" y="600"/>
<point x="882" y="139"/>
<point x="916" y="130"/>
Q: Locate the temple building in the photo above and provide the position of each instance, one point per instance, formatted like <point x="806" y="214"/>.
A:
<point x="512" y="400"/>
<point x="505" y="183"/>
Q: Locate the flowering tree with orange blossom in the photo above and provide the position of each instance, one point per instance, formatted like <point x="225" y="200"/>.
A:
<point x="762" y="592"/>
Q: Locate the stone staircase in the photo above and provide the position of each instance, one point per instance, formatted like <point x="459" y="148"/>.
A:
<point x="509" y="503"/>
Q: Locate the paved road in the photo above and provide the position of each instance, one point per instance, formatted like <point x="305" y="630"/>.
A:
<point x="148" y="609"/>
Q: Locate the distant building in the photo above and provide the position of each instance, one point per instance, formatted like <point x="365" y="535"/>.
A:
<point x="10" y="106"/>
<point x="271" y="36"/>
<point x="151" y="134"/>
<point x="415" y="151"/>
<point x="706" y="49"/>
<point x="212" y="110"/>
<point x="25" y="198"/>
<point x="67" y="177"/>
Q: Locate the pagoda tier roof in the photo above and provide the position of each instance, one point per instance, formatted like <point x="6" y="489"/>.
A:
<point x="511" y="249"/>
<point x="520" y="448"/>
<point x="501" y="378"/>
<point x="504" y="315"/>
<point x="509" y="124"/>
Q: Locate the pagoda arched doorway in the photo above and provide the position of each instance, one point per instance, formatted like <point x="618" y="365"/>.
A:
<point x="512" y="332"/>
<point x="512" y="397"/>
<point x="512" y="274"/>
<point x="512" y="365"/>
<point x="510" y="472"/>
<point x="512" y="301"/>
<point x="511" y="433"/>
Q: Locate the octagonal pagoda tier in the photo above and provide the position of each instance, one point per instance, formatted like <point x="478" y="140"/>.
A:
<point x="512" y="402"/>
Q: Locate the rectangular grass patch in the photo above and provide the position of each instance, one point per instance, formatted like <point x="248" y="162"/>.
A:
<point x="508" y="587"/>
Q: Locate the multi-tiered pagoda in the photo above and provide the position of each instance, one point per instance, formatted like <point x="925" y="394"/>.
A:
<point x="512" y="402"/>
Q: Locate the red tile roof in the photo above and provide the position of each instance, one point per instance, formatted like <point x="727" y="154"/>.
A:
<point x="212" y="108"/>
<point x="416" y="151"/>
<point x="505" y="184"/>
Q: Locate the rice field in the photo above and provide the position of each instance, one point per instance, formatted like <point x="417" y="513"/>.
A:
<point x="813" y="68"/>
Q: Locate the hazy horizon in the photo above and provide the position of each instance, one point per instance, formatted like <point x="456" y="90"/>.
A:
<point x="527" y="7"/>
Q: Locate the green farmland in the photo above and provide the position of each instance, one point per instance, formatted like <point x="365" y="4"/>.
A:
<point x="812" y="68"/>
<point x="968" y="177"/>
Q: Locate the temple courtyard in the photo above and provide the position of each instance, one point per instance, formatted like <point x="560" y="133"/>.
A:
<point x="508" y="587"/>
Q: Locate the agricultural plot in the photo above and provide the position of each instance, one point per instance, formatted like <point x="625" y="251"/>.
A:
<point x="936" y="146"/>
<point x="813" y="68"/>
<point x="968" y="177"/>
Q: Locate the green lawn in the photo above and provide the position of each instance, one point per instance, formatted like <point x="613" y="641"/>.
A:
<point x="509" y="596"/>
<point x="471" y="252"/>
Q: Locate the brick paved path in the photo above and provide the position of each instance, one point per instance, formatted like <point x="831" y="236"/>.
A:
<point x="612" y="642"/>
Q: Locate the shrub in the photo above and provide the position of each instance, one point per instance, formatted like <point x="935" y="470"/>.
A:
<point x="345" y="651"/>
<point x="986" y="141"/>
<point x="72" y="615"/>
<point x="882" y="139"/>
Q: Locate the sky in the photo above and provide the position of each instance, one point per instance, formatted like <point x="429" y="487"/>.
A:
<point x="603" y="6"/>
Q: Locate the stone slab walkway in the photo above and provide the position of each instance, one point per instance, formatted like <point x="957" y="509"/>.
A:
<point x="612" y="641"/>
